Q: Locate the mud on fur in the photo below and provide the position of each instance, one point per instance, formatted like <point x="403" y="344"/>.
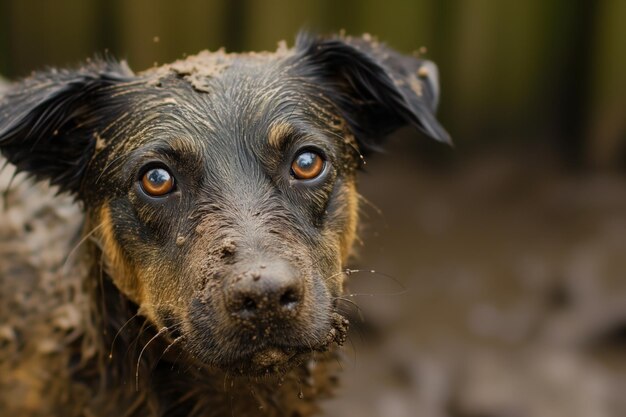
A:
<point x="208" y="208"/>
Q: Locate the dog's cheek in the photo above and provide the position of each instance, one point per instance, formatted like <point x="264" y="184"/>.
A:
<point x="351" y="220"/>
<point x="201" y="261"/>
<point x="342" y="218"/>
<point x="116" y="263"/>
<point x="146" y="277"/>
<point x="340" y="231"/>
<point x="171" y="278"/>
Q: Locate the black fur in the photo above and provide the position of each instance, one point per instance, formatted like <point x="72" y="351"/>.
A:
<point x="371" y="84"/>
<point x="227" y="128"/>
<point x="47" y="121"/>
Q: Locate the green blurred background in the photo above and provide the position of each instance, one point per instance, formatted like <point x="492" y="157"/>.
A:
<point x="513" y="72"/>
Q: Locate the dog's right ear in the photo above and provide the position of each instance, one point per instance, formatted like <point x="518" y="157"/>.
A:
<point x="48" y="121"/>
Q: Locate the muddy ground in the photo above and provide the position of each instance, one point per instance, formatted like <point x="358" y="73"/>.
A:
<point x="512" y="295"/>
<point x="515" y="289"/>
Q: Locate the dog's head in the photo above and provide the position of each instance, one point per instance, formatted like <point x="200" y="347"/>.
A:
<point x="221" y="188"/>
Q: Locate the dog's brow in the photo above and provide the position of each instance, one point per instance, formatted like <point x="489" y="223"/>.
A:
<point x="178" y="147"/>
<point x="279" y="131"/>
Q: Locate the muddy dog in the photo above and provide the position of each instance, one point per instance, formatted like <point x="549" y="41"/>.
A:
<point x="215" y="210"/>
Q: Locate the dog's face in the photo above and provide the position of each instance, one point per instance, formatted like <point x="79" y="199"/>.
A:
<point x="221" y="189"/>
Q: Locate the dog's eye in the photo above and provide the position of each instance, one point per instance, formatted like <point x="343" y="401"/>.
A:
<point x="157" y="182"/>
<point x="307" y="165"/>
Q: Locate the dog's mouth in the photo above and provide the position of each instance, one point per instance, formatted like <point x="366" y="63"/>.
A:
<point x="277" y="359"/>
<point x="273" y="357"/>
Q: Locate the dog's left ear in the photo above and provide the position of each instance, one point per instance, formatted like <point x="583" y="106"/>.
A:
<point x="377" y="89"/>
<point x="48" y="121"/>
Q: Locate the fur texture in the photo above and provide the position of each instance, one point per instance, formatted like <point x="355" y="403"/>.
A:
<point x="220" y="296"/>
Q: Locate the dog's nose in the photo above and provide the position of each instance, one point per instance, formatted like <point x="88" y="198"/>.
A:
<point x="265" y="292"/>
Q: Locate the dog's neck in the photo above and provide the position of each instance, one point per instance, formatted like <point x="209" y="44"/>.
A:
<point x="145" y="370"/>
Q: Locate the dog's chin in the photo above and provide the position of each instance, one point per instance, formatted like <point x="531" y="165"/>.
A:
<point x="270" y="358"/>
<point x="268" y="361"/>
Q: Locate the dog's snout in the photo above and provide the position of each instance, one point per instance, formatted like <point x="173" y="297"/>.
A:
<point x="265" y="292"/>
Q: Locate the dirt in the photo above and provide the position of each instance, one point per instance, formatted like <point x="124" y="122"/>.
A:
<point x="512" y="299"/>
<point x="201" y="68"/>
<point x="43" y="308"/>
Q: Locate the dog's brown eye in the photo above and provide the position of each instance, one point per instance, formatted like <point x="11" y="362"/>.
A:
<point x="157" y="182"/>
<point x="307" y="165"/>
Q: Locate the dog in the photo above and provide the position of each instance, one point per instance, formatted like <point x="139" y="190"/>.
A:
<point x="193" y="263"/>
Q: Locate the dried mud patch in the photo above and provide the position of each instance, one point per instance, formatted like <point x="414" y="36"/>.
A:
<point x="43" y="306"/>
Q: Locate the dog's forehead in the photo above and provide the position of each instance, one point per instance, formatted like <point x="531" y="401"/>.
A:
<point x="218" y="76"/>
<point x="218" y="112"/>
<point x="202" y="68"/>
<point x="228" y="94"/>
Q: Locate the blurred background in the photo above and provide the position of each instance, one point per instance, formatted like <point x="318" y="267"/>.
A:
<point x="500" y="283"/>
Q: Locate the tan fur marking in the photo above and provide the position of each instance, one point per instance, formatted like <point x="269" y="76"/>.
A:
<point x="123" y="274"/>
<point x="348" y="238"/>
<point x="278" y="132"/>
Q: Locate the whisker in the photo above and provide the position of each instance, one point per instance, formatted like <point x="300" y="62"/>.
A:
<point x="118" y="333"/>
<point x="404" y="290"/>
<point x="353" y="350"/>
<point x="339" y="363"/>
<point x="349" y="272"/>
<point x="135" y="343"/>
<point x="358" y="308"/>
<point x="368" y="294"/>
<point x="176" y="360"/>
<point x="159" y="333"/>
<point x="178" y="339"/>
<point x="375" y="272"/>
